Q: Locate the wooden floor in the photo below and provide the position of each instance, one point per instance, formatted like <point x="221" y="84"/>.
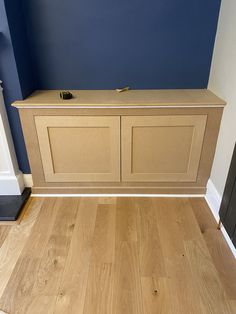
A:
<point x="116" y="256"/>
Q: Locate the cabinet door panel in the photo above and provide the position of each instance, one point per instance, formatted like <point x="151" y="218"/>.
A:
<point x="79" y="149"/>
<point x="162" y="148"/>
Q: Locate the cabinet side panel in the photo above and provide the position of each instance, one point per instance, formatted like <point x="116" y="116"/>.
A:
<point x="32" y="146"/>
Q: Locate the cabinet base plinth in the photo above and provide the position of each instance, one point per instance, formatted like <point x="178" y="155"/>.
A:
<point x="119" y="190"/>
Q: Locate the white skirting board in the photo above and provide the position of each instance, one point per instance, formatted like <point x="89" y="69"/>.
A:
<point x="212" y="197"/>
<point x="213" y="200"/>
<point x="11" y="184"/>
<point x="28" y="181"/>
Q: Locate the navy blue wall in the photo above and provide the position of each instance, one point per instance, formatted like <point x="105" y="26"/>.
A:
<point x="14" y="72"/>
<point x="19" y="38"/>
<point x="103" y="44"/>
<point x="91" y="44"/>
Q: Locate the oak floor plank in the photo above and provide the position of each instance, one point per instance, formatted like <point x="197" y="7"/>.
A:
<point x="186" y="220"/>
<point x="233" y="305"/>
<point x="203" y="215"/>
<point x="41" y="230"/>
<point x="127" y="296"/>
<point x="206" y="278"/>
<point x="223" y="258"/>
<point x="100" y="280"/>
<point x="15" y="298"/>
<point x="116" y="255"/>
<point x="103" y="244"/>
<point x="184" y="295"/>
<point x="126" y="219"/>
<point x="168" y="225"/>
<point x="24" y="274"/>
<point x="107" y="200"/>
<point x="15" y="242"/>
<point x="150" y="250"/>
<point x="157" y="296"/>
<point x="72" y="288"/>
<point x="4" y="230"/>
<point x="45" y="290"/>
<point x="99" y="293"/>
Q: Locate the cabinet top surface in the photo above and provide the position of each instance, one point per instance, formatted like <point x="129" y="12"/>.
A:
<point x="131" y="98"/>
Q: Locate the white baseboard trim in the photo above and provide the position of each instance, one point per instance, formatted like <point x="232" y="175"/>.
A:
<point x="28" y="180"/>
<point x="11" y="184"/>
<point x="213" y="200"/>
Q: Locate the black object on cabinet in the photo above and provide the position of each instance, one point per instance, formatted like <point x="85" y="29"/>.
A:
<point x="228" y="205"/>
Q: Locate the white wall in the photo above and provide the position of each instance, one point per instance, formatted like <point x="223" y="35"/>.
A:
<point x="223" y="82"/>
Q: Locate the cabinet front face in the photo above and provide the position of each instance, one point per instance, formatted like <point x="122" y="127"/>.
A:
<point x="79" y="149"/>
<point x="162" y="148"/>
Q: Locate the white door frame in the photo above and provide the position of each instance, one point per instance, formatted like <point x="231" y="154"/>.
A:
<point x="11" y="178"/>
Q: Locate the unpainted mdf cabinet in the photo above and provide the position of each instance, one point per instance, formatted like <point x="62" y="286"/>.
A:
<point x="162" y="148"/>
<point x="135" y="142"/>
<point x="79" y="149"/>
